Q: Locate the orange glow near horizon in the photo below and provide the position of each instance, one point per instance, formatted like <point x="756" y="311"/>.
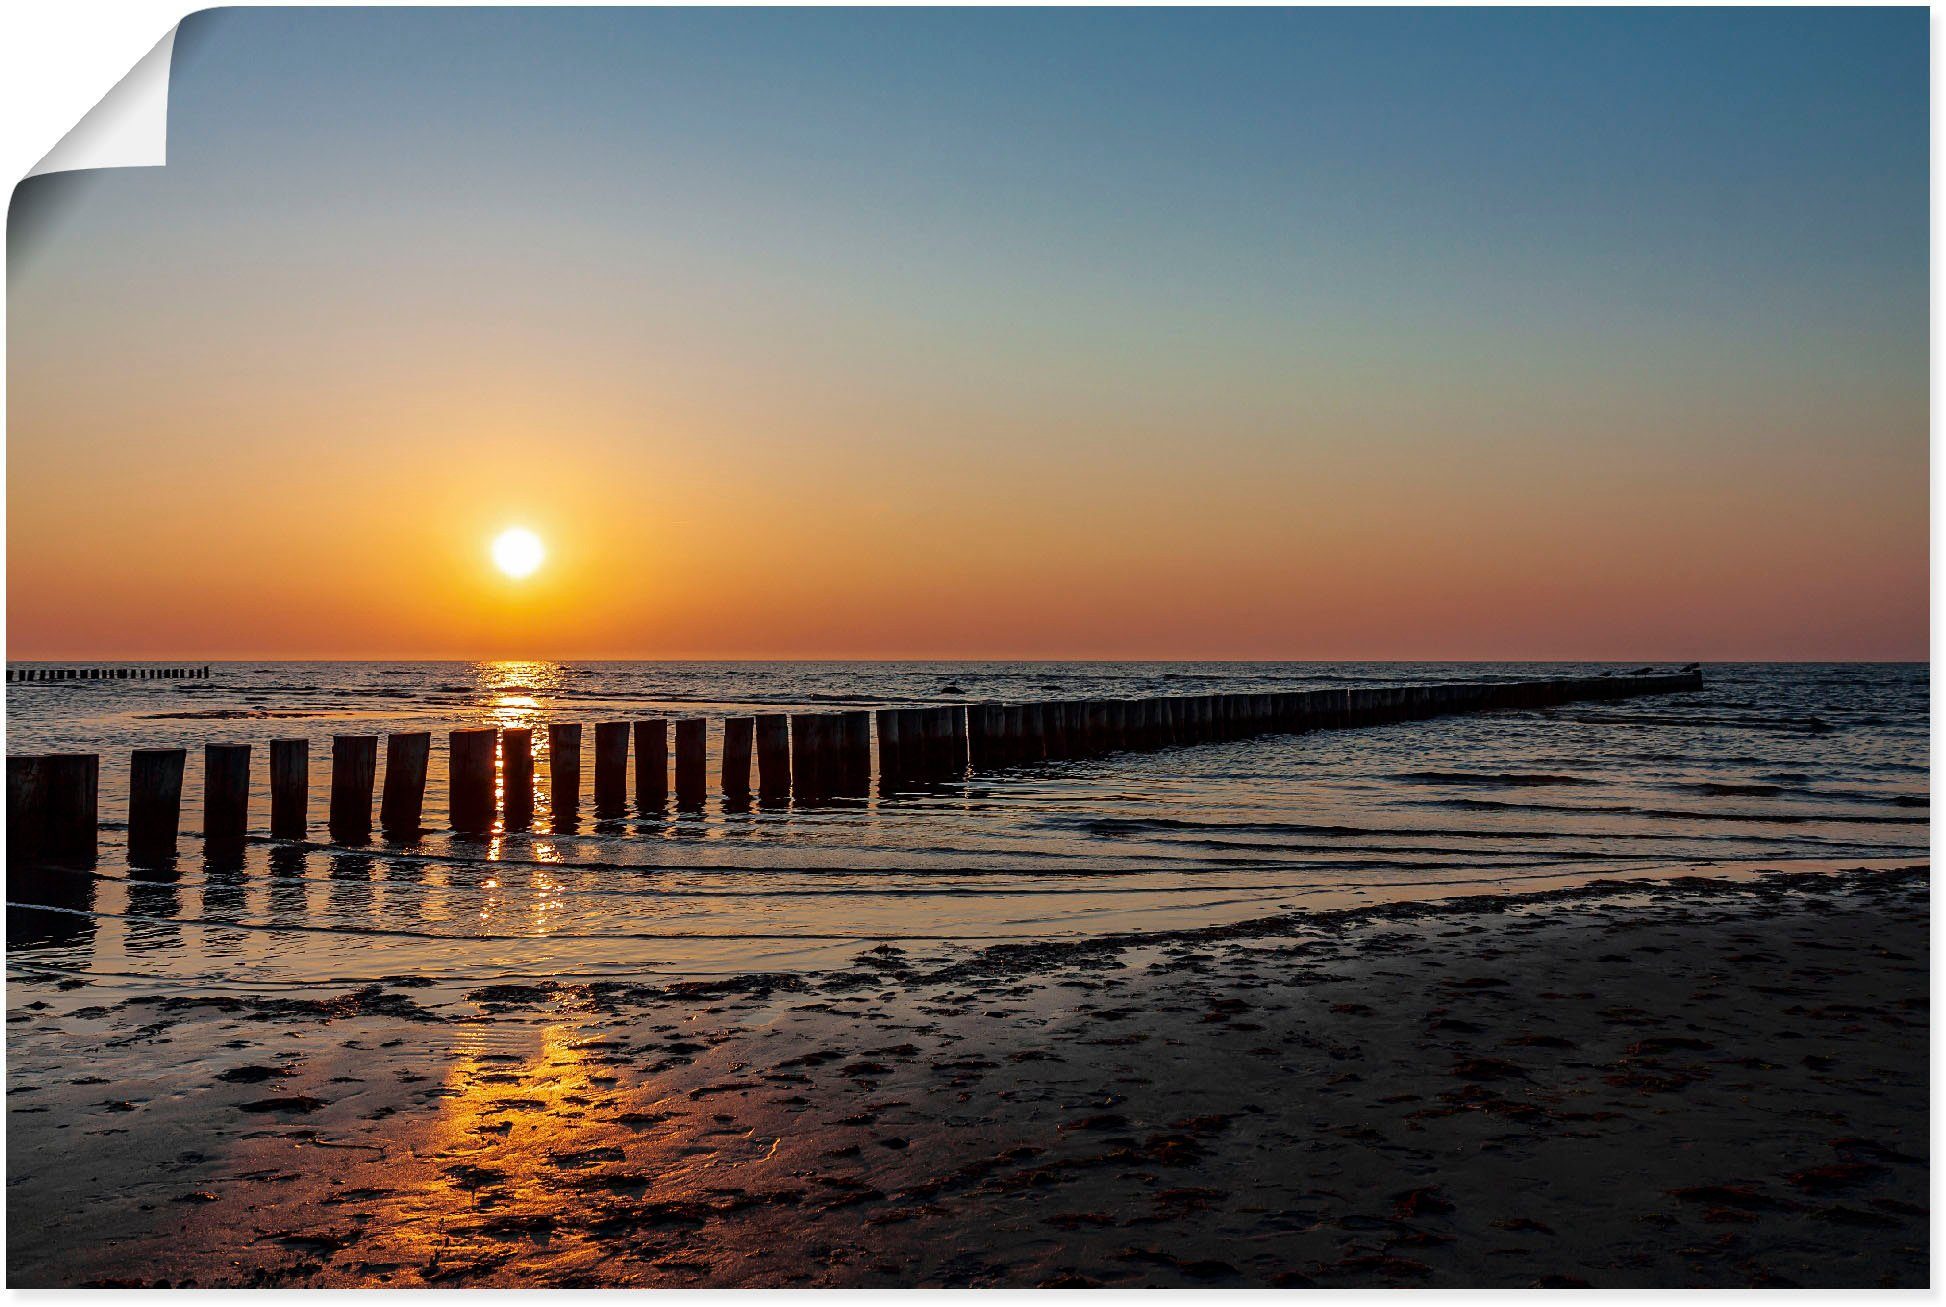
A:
<point x="657" y="548"/>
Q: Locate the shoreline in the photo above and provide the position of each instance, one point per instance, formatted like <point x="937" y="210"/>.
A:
<point x="1703" y="1081"/>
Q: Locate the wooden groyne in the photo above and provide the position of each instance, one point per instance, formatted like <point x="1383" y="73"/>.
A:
<point x="48" y="675"/>
<point x="52" y="799"/>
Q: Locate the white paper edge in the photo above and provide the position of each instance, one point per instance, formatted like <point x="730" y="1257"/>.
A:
<point x="129" y="128"/>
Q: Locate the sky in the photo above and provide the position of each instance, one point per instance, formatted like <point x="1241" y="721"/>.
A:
<point x="1256" y="334"/>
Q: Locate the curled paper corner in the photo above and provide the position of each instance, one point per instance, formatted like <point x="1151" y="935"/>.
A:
<point x="128" y="128"/>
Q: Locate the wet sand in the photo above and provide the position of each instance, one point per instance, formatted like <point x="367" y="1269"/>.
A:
<point x="1698" y="1083"/>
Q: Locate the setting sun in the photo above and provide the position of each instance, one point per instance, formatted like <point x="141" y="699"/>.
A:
<point x="518" y="551"/>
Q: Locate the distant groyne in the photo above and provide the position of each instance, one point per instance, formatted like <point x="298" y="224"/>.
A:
<point x="47" y="675"/>
<point x="796" y="758"/>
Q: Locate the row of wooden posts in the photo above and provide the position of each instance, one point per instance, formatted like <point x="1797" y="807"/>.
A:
<point x="23" y="675"/>
<point x="52" y="799"/>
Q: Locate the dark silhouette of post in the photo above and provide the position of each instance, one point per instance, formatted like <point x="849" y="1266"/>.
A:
<point x="290" y="789"/>
<point x="955" y="740"/>
<point x="854" y="730"/>
<point x="564" y="767"/>
<point x="738" y="735"/>
<point x="154" y="802"/>
<point x="517" y="777"/>
<point x="891" y="761"/>
<point x="611" y="767"/>
<point x="73" y="792"/>
<point x="807" y="772"/>
<point x="692" y="761"/>
<point x="651" y="765"/>
<point x="226" y="793"/>
<point x="26" y="809"/>
<point x="402" y="805"/>
<point x="469" y="781"/>
<point x="354" y="766"/>
<point x="773" y="756"/>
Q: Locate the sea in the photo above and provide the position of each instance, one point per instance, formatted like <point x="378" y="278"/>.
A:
<point x="1770" y="768"/>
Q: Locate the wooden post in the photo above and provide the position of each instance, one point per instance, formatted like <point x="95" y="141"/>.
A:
<point x="154" y="801"/>
<point x="564" y="767"/>
<point x="401" y="808"/>
<point x="1034" y="742"/>
<point x="890" y="763"/>
<point x="517" y="777"/>
<point x="806" y="775"/>
<point x="692" y="760"/>
<point x="226" y="793"/>
<point x="290" y="789"/>
<point x="73" y="783"/>
<point x="738" y="735"/>
<point x="979" y="744"/>
<point x="1054" y="719"/>
<point x="354" y="766"/>
<point x="918" y="751"/>
<point x="611" y="767"/>
<point x="469" y="780"/>
<point x="26" y="809"/>
<point x="774" y="755"/>
<point x="854" y="732"/>
<point x="651" y="765"/>
<point x="956" y="729"/>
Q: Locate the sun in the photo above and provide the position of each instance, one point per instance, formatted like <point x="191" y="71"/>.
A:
<point x="518" y="551"/>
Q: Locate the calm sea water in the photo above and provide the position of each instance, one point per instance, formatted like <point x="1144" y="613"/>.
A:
<point x="1770" y="767"/>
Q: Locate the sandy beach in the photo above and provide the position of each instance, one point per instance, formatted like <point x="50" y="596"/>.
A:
<point x="1695" y="1083"/>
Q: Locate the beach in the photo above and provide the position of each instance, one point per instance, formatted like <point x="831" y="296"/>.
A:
<point x="1700" y="1082"/>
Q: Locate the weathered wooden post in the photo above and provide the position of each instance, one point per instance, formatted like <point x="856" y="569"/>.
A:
<point x="855" y="750"/>
<point x="979" y="745"/>
<point x="692" y="761"/>
<point x="890" y="742"/>
<point x="154" y="802"/>
<point x="807" y="772"/>
<point x="226" y="793"/>
<point x="651" y="765"/>
<point x="738" y="735"/>
<point x="611" y="767"/>
<point x="469" y="779"/>
<point x="26" y="809"/>
<point x="564" y="767"/>
<point x="774" y="756"/>
<point x="1054" y="718"/>
<point x="517" y="777"/>
<point x="290" y="789"/>
<point x="354" y="766"/>
<point x="73" y="791"/>
<point x="1033" y="740"/>
<point x="919" y="751"/>
<point x="936" y="733"/>
<point x="1013" y="729"/>
<point x="402" y="804"/>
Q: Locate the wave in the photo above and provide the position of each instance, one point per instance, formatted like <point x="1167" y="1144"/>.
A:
<point x="1676" y="814"/>
<point x="1488" y="778"/>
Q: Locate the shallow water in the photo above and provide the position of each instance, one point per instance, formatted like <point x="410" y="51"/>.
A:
<point x="1769" y="767"/>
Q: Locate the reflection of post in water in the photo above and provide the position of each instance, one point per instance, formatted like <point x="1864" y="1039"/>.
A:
<point x="223" y="898"/>
<point x="159" y="904"/>
<point x="289" y="891"/>
<point x="70" y="890"/>
<point x="348" y="894"/>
